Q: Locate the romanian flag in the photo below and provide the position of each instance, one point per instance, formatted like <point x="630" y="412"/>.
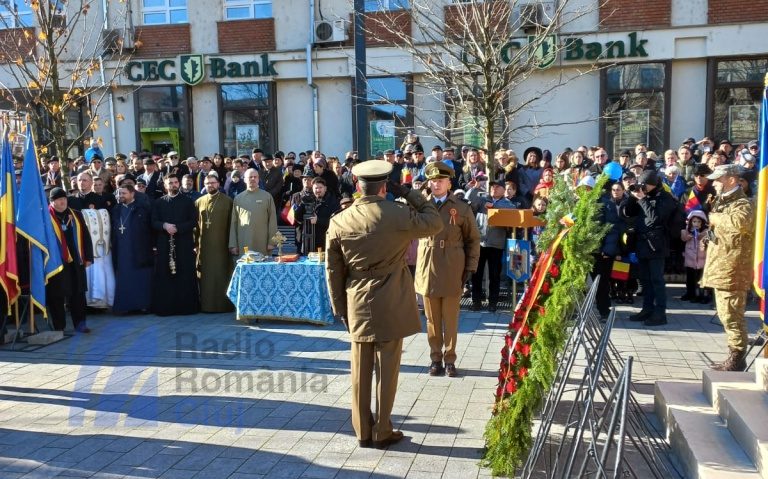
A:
<point x="693" y="202"/>
<point x="620" y="270"/>
<point x="34" y="223"/>
<point x="9" y="270"/>
<point x="761" y="235"/>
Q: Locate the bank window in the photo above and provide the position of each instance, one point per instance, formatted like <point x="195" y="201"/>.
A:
<point x="162" y="12"/>
<point x="241" y="9"/>
<point x="635" y="107"/>
<point x="15" y="14"/>
<point x="388" y="121"/>
<point x="163" y="119"/>
<point x="738" y="90"/>
<point x="248" y="117"/>
<point x="386" y="5"/>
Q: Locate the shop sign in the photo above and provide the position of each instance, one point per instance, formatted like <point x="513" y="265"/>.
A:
<point x="191" y="69"/>
<point x="574" y="49"/>
<point x="382" y="135"/>
<point x="742" y="122"/>
<point x="634" y="128"/>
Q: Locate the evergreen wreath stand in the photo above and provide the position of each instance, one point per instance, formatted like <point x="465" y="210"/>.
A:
<point x="539" y="327"/>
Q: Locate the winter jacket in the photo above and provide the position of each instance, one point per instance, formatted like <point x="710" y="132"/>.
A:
<point x="729" y="259"/>
<point x="494" y="236"/>
<point x="609" y="215"/>
<point x="654" y="214"/>
<point x="695" y="253"/>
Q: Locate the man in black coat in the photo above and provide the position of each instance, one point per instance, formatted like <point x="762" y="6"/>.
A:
<point x="656" y="212"/>
<point x="68" y="287"/>
<point x="324" y="206"/>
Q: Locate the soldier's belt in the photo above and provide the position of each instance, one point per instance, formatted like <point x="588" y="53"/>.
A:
<point x="373" y="273"/>
<point x="444" y="243"/>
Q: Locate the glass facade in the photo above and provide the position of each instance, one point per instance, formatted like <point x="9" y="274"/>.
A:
<point x="634" y="106"/>
<point x="164" y="119"/>
<point x="738" y="89"/>
<point x="248" y="117"/>
<point x="387" y="113"/>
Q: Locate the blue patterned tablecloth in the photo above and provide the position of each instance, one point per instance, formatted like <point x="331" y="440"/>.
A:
<point x="284" y="291"/>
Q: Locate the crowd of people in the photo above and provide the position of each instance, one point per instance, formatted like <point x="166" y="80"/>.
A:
<point x="178" y="225"/>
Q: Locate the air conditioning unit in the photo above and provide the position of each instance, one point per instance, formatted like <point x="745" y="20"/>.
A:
<point x="330" y="32"/>
<point x="118" y="38"/>
<point x="536" y="14"/>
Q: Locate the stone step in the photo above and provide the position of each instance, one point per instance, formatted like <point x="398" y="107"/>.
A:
<point x="746" y="414"/>
<point x="703" y="444"/>
<point x="761" y="372"/>
<point x="712" y="381"/>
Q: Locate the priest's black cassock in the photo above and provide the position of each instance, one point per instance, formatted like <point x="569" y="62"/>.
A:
<point x="174" y="294"/>
<point x="132" y="257"/>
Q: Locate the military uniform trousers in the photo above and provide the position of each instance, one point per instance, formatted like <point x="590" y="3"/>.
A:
<point x="730" y="307"/>
<point x="442" y="326"/>
<point x="383" y="357"/>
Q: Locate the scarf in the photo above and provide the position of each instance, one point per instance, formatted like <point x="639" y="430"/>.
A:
<point x="66" y="256"/>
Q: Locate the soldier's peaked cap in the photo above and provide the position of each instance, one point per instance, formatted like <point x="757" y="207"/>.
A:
<point x="437" y="170"/>
<point x="373" y="170"/>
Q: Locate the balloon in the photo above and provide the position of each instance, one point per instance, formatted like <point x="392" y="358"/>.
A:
<point x="613" y="171"/>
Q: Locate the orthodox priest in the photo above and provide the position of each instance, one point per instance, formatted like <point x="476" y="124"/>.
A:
<point x="254" y="218"/>
<point x="131" y="252"/>
<point x="214" y="263"/>
<point x="174" y="288"/>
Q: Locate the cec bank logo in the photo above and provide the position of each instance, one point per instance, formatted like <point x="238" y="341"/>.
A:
<point x="545" y="52"/>
<point x="191" y="68"/>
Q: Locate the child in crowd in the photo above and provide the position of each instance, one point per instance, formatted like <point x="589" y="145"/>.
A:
<point x="695" y="254"/>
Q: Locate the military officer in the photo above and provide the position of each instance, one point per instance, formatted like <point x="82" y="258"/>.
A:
<point x="728" y="267"/>
<point x="371" y="289"/>
<point x="444" y="263"/>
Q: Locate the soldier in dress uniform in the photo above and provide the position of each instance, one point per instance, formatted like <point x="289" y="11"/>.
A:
<point x="444" y="263"/>
<point x="372" y="291"/>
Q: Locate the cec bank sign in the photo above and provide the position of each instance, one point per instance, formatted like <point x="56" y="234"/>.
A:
<point x="548" y="49"/>
<point x="191" y="69"/>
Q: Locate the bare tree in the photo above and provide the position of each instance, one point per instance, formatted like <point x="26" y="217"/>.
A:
<point x="57" y="59"/>
<point x="472" y="59"/>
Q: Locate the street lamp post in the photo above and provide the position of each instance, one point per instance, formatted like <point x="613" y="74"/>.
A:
<point x="361" y="107"/>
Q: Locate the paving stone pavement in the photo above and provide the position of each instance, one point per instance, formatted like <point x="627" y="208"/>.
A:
<point x="208" y="397"/>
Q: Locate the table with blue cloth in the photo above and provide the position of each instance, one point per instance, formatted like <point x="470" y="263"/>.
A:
<point x="283" y="291"/>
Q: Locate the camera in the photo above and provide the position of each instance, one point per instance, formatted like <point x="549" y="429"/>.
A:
<point x="310" y="204"/>
<point x="637" y="187"/>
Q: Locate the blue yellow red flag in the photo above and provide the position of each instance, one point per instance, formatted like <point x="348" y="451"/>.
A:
<point x="761" y="235"/>
<point x="9" y="269"/>
<point x="33" y="221"/>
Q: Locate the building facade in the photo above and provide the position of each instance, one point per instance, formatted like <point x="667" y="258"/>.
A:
<point x="229" y="75"/>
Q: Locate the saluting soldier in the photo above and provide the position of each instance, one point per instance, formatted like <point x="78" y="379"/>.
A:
<point x="372" y="291"/>
<point x="444" y="263"/>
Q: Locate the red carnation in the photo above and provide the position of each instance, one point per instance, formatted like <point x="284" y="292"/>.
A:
<point x="554" y="270"/>
<point x="522" y="372"/>
<point x="499" y="390"/>
<point x="525" y="350"/>
<point x="511" y="387"/>
<point x="545" y="288"/>
<point x="526" y="331"/>
<point x="513" y="359"/>
<point x="505" y="352"/>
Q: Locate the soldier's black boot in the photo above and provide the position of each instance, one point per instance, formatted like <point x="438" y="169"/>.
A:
<point x="436" y="368"/>
<point x="641" y="316"/>
<point x="656" y="319"/>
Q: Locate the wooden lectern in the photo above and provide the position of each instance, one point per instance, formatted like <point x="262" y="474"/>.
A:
<point x="509" y="218"/>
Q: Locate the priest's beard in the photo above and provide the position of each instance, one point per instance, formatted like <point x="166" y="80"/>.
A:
<point x="211" y="190"/>
<point x="173" y="191"/>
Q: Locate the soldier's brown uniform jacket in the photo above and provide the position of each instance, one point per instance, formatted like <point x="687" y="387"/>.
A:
<point x="443" y="258"/>
<point x="729" y="256"/>
<point x="368" y="279"/>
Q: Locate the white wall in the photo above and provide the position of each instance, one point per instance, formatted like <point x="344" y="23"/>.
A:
<point x="688" y="101"/>
<point x="567" y="117"/>
<point x="294" y="115"/>
<point x="207" y="129"/>
<point x="335" y="116"/>
<point x="202" y="17"/>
